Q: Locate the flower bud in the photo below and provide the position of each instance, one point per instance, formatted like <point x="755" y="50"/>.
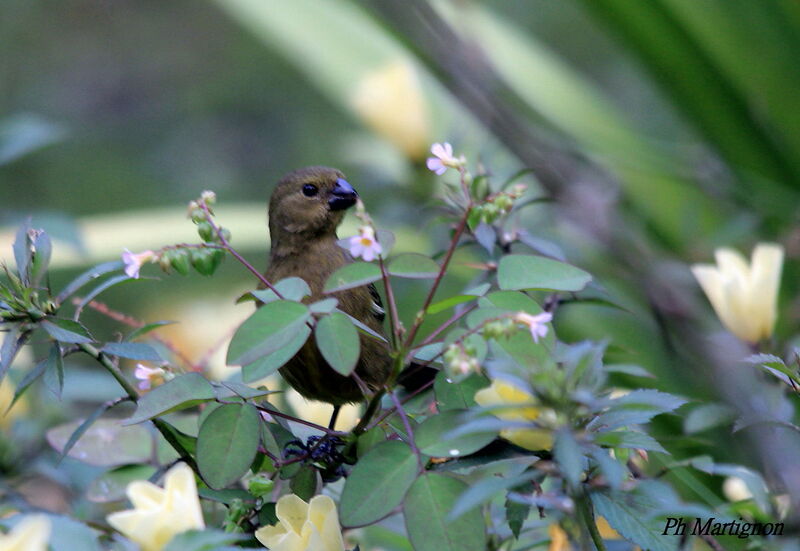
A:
<point x="260" y="485"/>
<point x="208" y="197"/>
<point x="206" y="231"/>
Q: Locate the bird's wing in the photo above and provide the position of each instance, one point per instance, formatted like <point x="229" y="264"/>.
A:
<point x="377" y="304"/>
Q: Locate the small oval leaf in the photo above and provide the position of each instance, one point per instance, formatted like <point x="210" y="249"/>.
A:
<point x="337" y="340"/>
<point x="227" y="444"/>
<point x="378" y="483"/>
<point x="352" y="275"/>
<point x="522" y="271"/>
<point x="180" y="393"/>
<point x="414" y="266"/>
<point x="266" y="331"/>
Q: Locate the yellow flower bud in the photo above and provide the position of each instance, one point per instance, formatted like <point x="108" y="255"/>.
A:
<point x="744" y="296"/>
<point x="390" y="102"/>
<point x="160" y="514"/>
<point x="30" y="534"/>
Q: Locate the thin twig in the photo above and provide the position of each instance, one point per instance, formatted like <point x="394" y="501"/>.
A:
<point x="407" y="425"/>
<point x="134" y="396"/>
<point x="394" y="318"/>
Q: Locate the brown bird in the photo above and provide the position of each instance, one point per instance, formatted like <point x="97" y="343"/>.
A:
<point x="305" y="209"/>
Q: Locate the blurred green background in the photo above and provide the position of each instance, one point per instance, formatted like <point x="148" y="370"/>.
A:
<point x="661" y="130"/>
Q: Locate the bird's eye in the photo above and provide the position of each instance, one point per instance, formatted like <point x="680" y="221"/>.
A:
<point x="310" y="190"/>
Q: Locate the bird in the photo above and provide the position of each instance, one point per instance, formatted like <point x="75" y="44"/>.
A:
<point x="305" y="209"/>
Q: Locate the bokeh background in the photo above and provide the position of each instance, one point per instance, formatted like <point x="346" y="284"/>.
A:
<point x="659" y="129"/>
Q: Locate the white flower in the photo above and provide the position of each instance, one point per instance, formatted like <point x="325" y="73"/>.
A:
<point x="735" y="489"/>
<point x="149" y="376"/>
<point x="133" y="262"/>
<point x="745" y="297"/>
<point x="30" y="534"/>
<point x="537" y="324"/>
<point x="443" y="158"/>
<point x="302" y="526"/>
<point x="364" y="245"/>
<point x="160" y="514"/>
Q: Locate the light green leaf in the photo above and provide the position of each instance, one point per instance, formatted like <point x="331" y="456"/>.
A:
<point x="460" y="395"/>
<point x="181" y="392"/>
<point x="267" y="365"/>
<point x="133" y="351"/>
<point x="337" y="340"/>
<point x="66" y="331"/>
<point x="414" y="266"/>
<point x="266" y="331"/>
<point x="106" y="442"/>
<point x="290" y="288"/>
<point x="520" y="271"/>
<point x="352" y="275"/>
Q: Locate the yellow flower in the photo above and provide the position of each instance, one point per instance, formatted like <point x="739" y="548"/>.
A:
<point x="390" y="102"/>
<point x="744" y="296"/>
<point x="302" y="526"/>
<point x="7" y="416"/>
<point x="30" y="534"/>
<point x="158" y="514"/>
<point x="560" y="542"/>
<point x="502" y="393"/>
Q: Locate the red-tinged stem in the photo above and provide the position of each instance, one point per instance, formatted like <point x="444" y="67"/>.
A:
<point x="326" y="430"/>
<point x="407" y="425"/>
<point x="390" y="411"/>
<point x="430" y="338"/>
<point x="227" y="246"/>
<point x="462" y="225"/>
<point x="394" y="318"/>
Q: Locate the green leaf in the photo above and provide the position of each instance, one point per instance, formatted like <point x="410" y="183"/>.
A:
<point x="204" y="540"/>
<point x="631" y="515"/>
<point x="133" y="351"/>
<point x="84" y="426"/>
<point x="86" y="277"/>
<point x="106" y="442"/>
<point x="432" y="436"/>
<point x="111" y="485"/>
<point x="337" y="340"/>
<point x="54" y="371"/>
<point x="43" y="249"/>
<point x="66" y="331"/>
<point x="23" y="253"/>
<point x="270" y="363"/>
<point x="110" y="282"/>
<point x="520" y="271"/>
<point x="352" y="275"/>
<point x="227" y="444"/>
<point x="414" y="266"/>
<point x="459" y="395"/>
<point x="69" y="534"/>
<point x="516" y="515"/>
<point x="26" y="382"/>
<point x="378" y="483"/>
<point x="707" y="416"/>
<point x="426" y="511"/>
<point x="488" y="487"/>
<point x="628" y="439"/>
<point x="305" y="483"/>
<point x="230" y="389"/>
<point x="266" y="331"/>
<point x="567" y="453"/>
<point x="291" y="288"/>
<point x="324" y="306"/>
<point x="470" y="294"/>
<point x="143" y="330"/>
<point x="181" y="392"/>
<point x="12" y="343"/>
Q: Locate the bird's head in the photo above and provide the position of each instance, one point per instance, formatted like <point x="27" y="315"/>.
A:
<point x="309" y="201"/>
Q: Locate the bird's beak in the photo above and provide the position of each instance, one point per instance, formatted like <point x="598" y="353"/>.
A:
<point x="343" y="196"/>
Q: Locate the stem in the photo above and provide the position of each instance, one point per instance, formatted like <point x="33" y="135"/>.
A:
<point x="407" y="425"/>
<point x="390" y="411"/>
<point x="227" y="246"/>
<point x="372" y="407"/>
<point x="134" y="396"/>
<point x="451" y="249"/>
<point x="588" y="519"/>
<point x="326" y="430"/>
<point x="394" y="318"/>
